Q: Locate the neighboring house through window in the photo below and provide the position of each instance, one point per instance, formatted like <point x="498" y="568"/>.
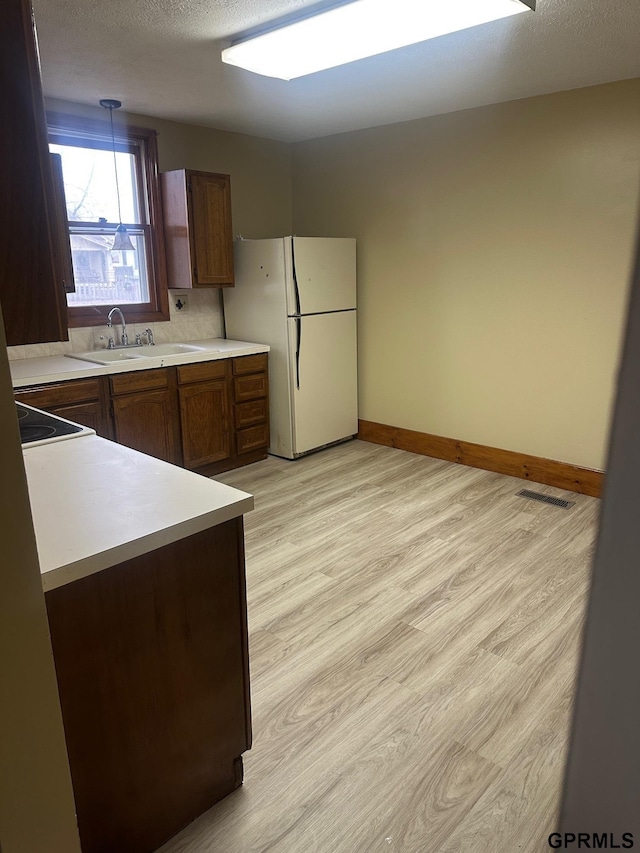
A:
<point x="134" y="280"/>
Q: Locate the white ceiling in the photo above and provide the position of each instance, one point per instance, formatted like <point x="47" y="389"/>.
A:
<point x="162" y="58"/>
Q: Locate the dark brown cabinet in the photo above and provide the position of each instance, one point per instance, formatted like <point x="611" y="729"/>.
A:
<point x="204" y="414"/>
<point x="249" y="387"/>
<point x="61" y="223"/>
<point x="198" y="229"/>
<point x="248" y="414"/>
<point x="251" y="407"/>
<point x="223" y="413"/>
<point x="152" y="664"/>
<point x="145" y="414"/>
<point x="87" y="414"/>
<point x="85" y="401"/>
<point x="32" y="251"/>
<point x="209" y="417"/>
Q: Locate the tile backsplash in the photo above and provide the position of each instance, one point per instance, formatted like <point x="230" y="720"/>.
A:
<point x="202" y="318"/>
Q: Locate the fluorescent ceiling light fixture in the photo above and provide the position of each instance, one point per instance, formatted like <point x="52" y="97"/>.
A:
<point x="351" y="31"/>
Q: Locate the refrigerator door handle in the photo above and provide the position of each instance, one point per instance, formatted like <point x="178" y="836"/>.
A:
<point x="298" y="339"/>
<point x="295" y="277"/>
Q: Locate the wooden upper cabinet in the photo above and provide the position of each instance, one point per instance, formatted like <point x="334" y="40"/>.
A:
<point x="31" y="253"/>
<point x="198" y="230"/>
<point x="61" y="224"/>
<point x="212" y="236"/>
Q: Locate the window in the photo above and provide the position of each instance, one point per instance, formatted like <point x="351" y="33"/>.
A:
<point x="103" y="277"/>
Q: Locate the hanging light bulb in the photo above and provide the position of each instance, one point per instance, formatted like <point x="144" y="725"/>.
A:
<point x="122" y="241"/>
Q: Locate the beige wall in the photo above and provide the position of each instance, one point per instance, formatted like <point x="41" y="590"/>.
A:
<point x="494" y="251"/>
<point x="37" y="812"/>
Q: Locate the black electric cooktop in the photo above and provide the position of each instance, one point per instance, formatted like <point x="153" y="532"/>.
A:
<point x="39" y="426"/>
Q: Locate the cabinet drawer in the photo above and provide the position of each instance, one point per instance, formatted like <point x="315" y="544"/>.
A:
<point x="250" y="413"/>
<point x="250" y="363"/>
<point x="141" y="380"/>
<point x="252" y="438"/>
<point x="202" y="371"/>
<point x="249" y="387"/>
<point x="57" y="395"/>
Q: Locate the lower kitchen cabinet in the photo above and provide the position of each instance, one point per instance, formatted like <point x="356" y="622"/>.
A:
<point x="209" y="416"/>
<point x="248" y="414"/>
<point x="251" y="407"/>
<point x="250" y="440"/>
<point x="203" y="393"/>
<point x="247" y="382"/>
<point x="145" y="415"/>
<point x="146" y="421"/>
<point x="152" y="664"/>
<point x="87" y="414"/>
<point x="204" y="415"/>
<point x="85" y="401"/>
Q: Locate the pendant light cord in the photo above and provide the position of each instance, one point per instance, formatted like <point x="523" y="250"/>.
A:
<point x="115" y="165"/>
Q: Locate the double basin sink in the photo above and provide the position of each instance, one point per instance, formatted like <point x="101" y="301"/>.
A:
<point x="109" y="356"/>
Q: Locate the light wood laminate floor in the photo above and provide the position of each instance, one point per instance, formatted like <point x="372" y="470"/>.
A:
<point x="414" y="633"/>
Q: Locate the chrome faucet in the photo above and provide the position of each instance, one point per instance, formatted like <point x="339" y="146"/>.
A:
<point x="124" y="338"/>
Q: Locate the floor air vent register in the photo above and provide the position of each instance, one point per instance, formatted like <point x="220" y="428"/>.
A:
<point x="545" y="499"/>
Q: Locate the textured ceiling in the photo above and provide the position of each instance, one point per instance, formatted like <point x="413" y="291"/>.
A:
<point x="162" y="58"/>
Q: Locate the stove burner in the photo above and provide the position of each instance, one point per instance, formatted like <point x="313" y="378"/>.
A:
<point x="36" y="432"/>
<point x="36" y="426"/>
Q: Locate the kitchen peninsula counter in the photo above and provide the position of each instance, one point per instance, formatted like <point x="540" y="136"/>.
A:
<point x="96" y="503"/>
<point x="144" y="577"/>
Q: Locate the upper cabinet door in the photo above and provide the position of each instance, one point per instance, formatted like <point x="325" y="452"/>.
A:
<point x="31" y="254"/>
<point x="212" y="236"/>
<point x="62" y="226"/>
<point x="198" y="230"/>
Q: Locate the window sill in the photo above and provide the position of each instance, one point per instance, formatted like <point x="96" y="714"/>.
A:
<point x="97" y="315"/>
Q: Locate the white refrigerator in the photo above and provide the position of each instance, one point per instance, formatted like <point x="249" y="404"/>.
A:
<point x="298" y="295"/>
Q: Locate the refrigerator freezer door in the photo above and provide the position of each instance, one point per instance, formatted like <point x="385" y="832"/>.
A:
<point x="323" y="366"/>
<point x="255" y="310"/>
<point x="324" y="270"/>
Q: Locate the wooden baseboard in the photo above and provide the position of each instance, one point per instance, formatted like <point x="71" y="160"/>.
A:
<point x="586" y="481"/>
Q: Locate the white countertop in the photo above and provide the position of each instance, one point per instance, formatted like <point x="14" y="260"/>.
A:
<point x="96" y="503"/>
<point x="59" y="368"/>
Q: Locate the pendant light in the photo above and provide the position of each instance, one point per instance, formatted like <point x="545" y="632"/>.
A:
<point x="122" y="241"/>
